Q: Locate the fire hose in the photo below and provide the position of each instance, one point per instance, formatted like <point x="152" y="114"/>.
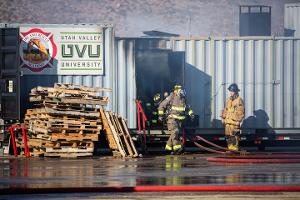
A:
<point x="225" y="150"/>
<point x="156" y="188"/>
<point x="245" y="157"/>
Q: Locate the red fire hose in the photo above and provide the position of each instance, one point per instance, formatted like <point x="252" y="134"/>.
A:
<point x="180" y="188"/>
<point x="209" y="149"/>
<point x="219" y="147"/>
<point x="266" y="156"/>
<point x="246" y="157"/>
<point x="252" y="160"/>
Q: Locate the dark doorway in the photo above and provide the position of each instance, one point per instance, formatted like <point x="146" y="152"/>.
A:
<point x="10" y="75"/>
<point x="157" y="71"/>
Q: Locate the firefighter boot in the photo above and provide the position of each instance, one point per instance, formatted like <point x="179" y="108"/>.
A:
<point x="178" y="149"/>
<point x="232" y="142"/>
<point x="168" y="148"/>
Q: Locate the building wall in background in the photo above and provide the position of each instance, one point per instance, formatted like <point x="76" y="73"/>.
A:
<point x="131" y="17"/>
<point x="292" y="20"/>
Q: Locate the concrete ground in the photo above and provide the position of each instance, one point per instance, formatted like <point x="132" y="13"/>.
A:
<point x="160" y="196"/>
<point x="191" y="170"/>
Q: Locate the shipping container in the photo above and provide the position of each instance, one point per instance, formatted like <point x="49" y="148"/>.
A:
<point x="292" y="20"/>
<point x="267" y="70"/>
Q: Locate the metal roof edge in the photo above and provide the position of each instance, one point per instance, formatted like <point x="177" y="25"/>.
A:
<point x="235" y="38"/>
<point x="292" y="5"/>
<point x="16" y="25"/>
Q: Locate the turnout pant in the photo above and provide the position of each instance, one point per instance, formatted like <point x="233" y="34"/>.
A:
<point x="232" y="136"/>
<point x="174" y="127"/>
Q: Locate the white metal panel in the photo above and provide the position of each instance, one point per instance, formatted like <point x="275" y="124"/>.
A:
<point x="296" y="92"/>
<point x="288" y="84"/>
<point x="266" y="70"/>
<point x="292" y="18"/>
<point x="278" y="88"/>
<point x="125" y="66"/>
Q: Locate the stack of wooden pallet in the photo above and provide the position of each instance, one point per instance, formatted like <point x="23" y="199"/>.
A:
<point x="65" y="121"/>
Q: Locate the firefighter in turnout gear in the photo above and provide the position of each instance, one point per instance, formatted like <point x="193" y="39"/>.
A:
<point x="232" y="115"/>
<point x="175" y="108"/>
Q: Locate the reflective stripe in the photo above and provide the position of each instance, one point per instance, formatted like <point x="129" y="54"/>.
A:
<point x="233" y="147"/>
<point x="176" y="147"/>
<point x="178" y="108"/>
<point x="190" y="112"/>
<point x="148" y="104"/>
<point x="177" y="87"/>
<point x="160" y="112"/>
<point x="154" y="113"/>
<point x="156" y="97"/>
<point x="177" y="117"/>
<point x="154" y="121"/>
<point x="169" y="148"/>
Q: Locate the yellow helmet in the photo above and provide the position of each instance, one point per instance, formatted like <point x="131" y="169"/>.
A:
<point x="157" y="97"/>
<point x="177" y="87"/>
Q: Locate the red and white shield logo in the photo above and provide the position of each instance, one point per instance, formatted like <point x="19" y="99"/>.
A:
<point x="37" y="50"/>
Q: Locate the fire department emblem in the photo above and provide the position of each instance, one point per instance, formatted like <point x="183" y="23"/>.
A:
<point x="37" y="50"/>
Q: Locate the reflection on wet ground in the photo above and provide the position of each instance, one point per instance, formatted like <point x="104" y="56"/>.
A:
<point x="156" y="195"/>
<point x="159" y="170"/>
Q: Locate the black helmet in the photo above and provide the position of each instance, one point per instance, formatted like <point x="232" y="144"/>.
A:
<point x="233" y="88"/>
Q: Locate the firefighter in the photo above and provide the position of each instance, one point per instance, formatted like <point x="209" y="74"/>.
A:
<point x="175" y="108"/>
<point x="232" y="116"/>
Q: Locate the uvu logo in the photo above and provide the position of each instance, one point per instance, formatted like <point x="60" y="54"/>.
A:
<point x="71" y="50"/>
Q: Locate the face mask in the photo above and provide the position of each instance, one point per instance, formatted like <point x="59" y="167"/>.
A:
<point x="181" y="93"/>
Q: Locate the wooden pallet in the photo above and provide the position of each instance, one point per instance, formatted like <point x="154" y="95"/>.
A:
<point x="117" y="133"/>
<point x="67" y="123"/>
<point x="66" y="119"/>
<point x="80" y="87"/>
<point x="71" y="107"/>
<point x="68" y="150"/>
<point x="38" y="94"/>
<point x="71" y="153"/>
<point x="67" y="155"/>
<point x="66" y="137"/>
<point x="74" y="137"/>
<point x="37" y="98"/>
<point x="34" y="142"/>
<point x="73" y="119"/>
<point x="45" y="112"/>
<point x="110" y="136"/>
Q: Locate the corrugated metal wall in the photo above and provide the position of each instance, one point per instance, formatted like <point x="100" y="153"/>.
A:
<point x="125" y="81"/>
<point x="292" y="19"/>
<point x="267" y="71"/>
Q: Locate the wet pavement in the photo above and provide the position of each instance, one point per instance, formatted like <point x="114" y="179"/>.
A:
<point x="160" y="196"/>
<point x="156" y="170"/>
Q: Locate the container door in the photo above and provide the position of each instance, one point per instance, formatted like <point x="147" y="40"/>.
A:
<point x="9" y="72"/>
